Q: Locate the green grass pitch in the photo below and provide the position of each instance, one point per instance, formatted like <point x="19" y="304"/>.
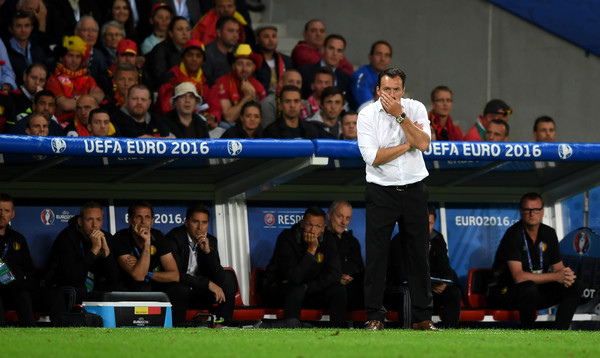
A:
<point x="204" y="342"/>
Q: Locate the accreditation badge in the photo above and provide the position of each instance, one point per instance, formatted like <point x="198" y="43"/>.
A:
<point x="6" y="275"/>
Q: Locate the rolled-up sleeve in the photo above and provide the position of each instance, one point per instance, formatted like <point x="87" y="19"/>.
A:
<point x="367" y="136"/>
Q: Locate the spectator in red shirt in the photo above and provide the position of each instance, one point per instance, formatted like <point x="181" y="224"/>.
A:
<point x="439" y="116"/>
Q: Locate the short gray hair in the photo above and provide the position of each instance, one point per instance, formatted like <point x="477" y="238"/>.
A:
<point x="114" y="24"/>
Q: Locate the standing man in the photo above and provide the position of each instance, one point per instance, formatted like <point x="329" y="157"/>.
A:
<point x="15" y="289"/>
<point x="528" y="272"/>
<point x="392" y="134"/>
<point x="200" y="270"/>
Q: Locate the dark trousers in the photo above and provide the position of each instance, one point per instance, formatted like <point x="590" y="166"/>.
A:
<point x="528" y="297"/>
<point x="294" y="297"/>
<point x="20" y="300"/>
<point x="450" y="300"/>
<point x="177" y="295"/>
<point x="406" y="206"/>
<point x="205" y="299"/>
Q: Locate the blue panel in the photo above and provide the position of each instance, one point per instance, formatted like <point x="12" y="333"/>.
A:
<point x="572" y="210"/>
<point x="575" y="21"/>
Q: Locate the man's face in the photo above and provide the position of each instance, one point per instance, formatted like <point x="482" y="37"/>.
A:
<point x="230" y="34"/>
<point x="224" y="8"/>
<point x="91" y="220"/>
<point x="442" y="104"/>
<point x="290" y="104"/>
<point x="126" y="57"/>
<point x="349" y="126"/>
<point x="181" y="33"/>
<point x="495" y="133"/>
<point x="138" y="102"/>
<point x="393" y="86"/>
<point x="21" y="29"/>
<point x="35" y="80"/>
<point x="532" y="212"/>
<point x="291" y="78"/>
<point x="185" y="104"/>
<point x="250" y="118"/>
<point x="7" y="213"/>
<point x="267" y="40"/>
<point x="333" y="106"/>
<point x="99" y="125"/>
<point x="193" y="60"/>
<point x="546" y="132"/>
<point x="340" y="219"/>
<point x="313" y="224"/>
<point x="315" y="34"/>
<point x="197" y="225"/>
<point x="322" y="81"/>
<point x="431" y="222"/>
<point x="334" y="52"/>
<point x="83" y="107"/>
<point x="161" y="20"/>
<point x="112" y="37"/>
<point x="124" y="81"/>
<point x="72" y="60"/>
<point x="381" y="57"/>
<point x="88" y="31"/>
<point x="142" y="216"/>
<point x="243" y="68"/>
<point x="45" y="105"/>
<point x="38" y="125"/>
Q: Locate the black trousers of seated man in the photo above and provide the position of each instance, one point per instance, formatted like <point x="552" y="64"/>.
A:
<point x="177" y="295"/>
<point x="449" y="303"/>
<point x="294" y="297"/>
<point x="21" y="301"/>
<point x="205" y="299"/>
<point x="406" y="206"/>
<point x="528" y="297"/>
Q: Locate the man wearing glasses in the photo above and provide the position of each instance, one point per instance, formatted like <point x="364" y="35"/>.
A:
<point x="305" y="270"/>
<point x="494" y="109"/>
<point x="528" y="273"/>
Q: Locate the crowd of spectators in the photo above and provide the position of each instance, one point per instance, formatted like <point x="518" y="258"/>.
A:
<point x="104" y="51"/>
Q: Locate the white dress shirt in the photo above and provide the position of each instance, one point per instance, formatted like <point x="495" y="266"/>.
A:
<point x="378" y="129"/>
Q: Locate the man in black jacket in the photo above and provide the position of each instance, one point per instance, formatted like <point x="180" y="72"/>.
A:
<point x="183" y="121"/>
<point x="81" y="257"/>
<point x="200" y="270"/>
<point x="305" y="270"/>
<point x="16" y="274"/>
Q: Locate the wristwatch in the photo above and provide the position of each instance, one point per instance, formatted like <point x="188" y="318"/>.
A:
<point x="400" y="118"/>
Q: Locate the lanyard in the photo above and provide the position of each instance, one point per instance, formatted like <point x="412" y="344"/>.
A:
<point x="6" y="248"/>
<point x="529" y="255"/>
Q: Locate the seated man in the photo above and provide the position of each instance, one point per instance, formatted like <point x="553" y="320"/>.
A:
<point x="494" y="109"/>
<point x="238" y="86"/>
<point x="44" y="102"/>
<point x="34" y="80"/>
<point x="200" y="270"/>
<point x="269" y="108"/>
<point x="353" y="268"/>
<point x="113" y="86"/>
<point x="305" y="270"/>
<point x="215" y="63"/>
<point x="160" y="17"/>
<point x="544" y="129"/>
<point x="22" y="49"/>
<point x="248" y="126"/>
<point x="205" y="28"/>
<point x="496" y="131"/>
<point x="81" y="257"/>
<point x="16" y="288"/>
<point x="70" y="80"/>
<point x="332" y="105"/>
<point x="289" y="125"/>
<point x="182" y="120"/>
<point x="365" y="78"/>
<point x="528" y="272"/>
<point x="439" y="116"/>
<point x="274" y="63"/>
<point x="146" y="260"/>
<point x="99" y="124"/>
<point x="322" y="79"/>
<point x="349" y="120"/>
<point x="134" y="119"/>
<point x="446" y="295"/>
<point x="37" y="124"/>
<point x="84" y="105"/>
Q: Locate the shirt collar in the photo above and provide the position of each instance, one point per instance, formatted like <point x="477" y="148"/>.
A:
<point x="15" y="46"/>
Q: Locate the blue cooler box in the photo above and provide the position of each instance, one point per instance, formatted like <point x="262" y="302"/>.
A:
<point x="130" y="309"/>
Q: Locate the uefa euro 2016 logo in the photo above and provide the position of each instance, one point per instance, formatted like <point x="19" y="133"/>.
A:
<point x="47" y="217"/>
<point x="234" y="147"/>
<point x="582" y="242"/>
<point x="269" y="219"/>
<point x="565" y="151"/>
<point x="58" y="145"/>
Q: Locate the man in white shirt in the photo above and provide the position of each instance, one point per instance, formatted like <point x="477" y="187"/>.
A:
<point x="392" y="134"/>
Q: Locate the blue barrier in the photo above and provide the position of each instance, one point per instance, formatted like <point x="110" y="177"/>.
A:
<point x="273" y="148"/>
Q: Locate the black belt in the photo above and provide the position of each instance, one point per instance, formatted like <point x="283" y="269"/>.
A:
<point x="400" y="187"/>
